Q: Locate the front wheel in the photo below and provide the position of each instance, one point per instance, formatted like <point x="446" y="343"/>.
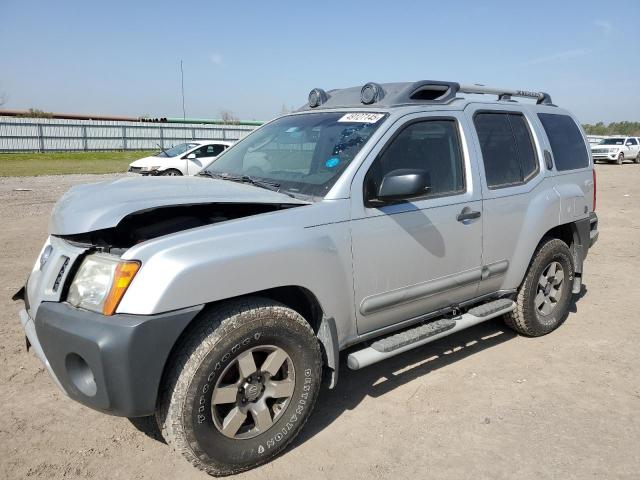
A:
<point x="620" y="159"/>
<point x="543" y="300"/>
<point x="171" y="172"/>
<point x="241" y="386"/>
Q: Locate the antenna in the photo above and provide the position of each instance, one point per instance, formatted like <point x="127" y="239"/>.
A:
<point x="184" y="115"/>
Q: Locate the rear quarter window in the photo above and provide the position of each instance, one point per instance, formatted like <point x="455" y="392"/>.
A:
<point x="567" y="143"/>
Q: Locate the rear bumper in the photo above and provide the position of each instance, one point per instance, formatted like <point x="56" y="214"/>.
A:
<point x="111" y="364"/>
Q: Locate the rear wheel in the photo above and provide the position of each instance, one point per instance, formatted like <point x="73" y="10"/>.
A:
<point x="241" y="386"/>
<point x="637" y="159"/>
<point x="543" y="300"/>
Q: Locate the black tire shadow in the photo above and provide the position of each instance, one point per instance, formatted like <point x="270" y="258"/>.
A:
<point x="148" y="426"/>
<point x="573" y="306"/>
<point x="379" y="379"/>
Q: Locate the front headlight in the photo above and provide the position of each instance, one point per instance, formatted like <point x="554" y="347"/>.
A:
<point x="150" y="169"/>
<point x="101" y="282"/>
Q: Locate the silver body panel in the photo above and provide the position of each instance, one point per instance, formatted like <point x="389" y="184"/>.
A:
<point x="369" y="268"/>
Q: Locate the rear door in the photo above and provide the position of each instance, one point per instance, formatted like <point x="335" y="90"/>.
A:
<point x="414" y="257"/>
<point x="510" y="170"/>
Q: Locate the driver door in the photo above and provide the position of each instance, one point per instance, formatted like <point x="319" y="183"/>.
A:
<point x="417" y="256"/>
<point x="201" y="157"/>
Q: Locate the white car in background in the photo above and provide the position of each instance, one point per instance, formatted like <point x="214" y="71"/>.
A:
<point x="617" y="149"/>
<point x="183" y="159"/>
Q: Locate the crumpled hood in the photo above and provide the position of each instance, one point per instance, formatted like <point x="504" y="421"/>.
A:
<point x="97" y="206"/>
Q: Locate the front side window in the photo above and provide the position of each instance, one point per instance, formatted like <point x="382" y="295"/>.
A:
<point x="209" y="151"/>
<point x="507" y="148"/>
<point x="430" y="145"/>
<point x="632" y="141"/>
<point x="567" y="144"/>
<point x="304" y="153"/>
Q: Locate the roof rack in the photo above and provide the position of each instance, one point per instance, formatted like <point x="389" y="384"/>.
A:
<point x="542" y="98"/>
<point x="397" y="94"/>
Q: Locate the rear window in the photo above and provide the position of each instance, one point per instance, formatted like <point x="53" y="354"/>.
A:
<point x="567" y="143"/>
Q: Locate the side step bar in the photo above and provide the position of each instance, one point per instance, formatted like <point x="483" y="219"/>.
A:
<point x="398" y="343"/>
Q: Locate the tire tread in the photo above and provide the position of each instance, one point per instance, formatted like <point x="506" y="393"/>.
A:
<point x="189" y="353"/>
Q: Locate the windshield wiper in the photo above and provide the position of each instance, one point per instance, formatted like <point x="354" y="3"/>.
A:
<point x="163" y="150"/>
<point x="274" y="187"/>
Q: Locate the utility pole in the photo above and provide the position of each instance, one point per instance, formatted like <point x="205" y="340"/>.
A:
<point x="184" y="115"/>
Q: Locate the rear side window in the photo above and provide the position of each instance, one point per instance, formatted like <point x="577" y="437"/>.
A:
<point x="567" y="144"/>
<point x="507" y="148"/>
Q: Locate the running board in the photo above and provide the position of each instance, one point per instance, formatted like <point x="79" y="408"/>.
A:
<point x="415" y="337"/>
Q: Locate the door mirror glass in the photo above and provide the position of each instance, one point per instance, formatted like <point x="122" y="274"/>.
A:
<point x="403" y="184"/>
<point x="191" y="156"/>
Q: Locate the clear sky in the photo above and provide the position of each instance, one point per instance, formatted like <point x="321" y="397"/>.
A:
<point x="123" y="57"/>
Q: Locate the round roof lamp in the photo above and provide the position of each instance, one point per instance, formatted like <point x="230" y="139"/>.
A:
<point x="371" y="93"/>
<point x="317" y="97"/>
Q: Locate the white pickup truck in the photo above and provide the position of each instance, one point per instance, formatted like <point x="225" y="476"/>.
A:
<point x="617" y="149"/>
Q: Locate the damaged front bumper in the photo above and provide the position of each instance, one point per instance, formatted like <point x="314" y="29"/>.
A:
<point x="34" y="343"/>
<point x="112" y="364"/>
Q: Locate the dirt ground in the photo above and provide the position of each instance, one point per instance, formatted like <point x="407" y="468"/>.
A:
<point x="484" y="404"/>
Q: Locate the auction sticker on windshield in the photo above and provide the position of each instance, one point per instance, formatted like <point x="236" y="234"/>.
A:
<point x="361" y="117"/>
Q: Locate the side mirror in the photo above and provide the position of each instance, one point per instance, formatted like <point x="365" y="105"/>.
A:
<point x="191" y="156"/>
<point x="403" y="184"/>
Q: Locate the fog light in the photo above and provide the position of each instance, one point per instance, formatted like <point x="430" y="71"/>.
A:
<point x="80" y="374"/>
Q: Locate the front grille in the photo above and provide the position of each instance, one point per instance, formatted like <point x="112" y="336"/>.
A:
<point x="599" y="151"/>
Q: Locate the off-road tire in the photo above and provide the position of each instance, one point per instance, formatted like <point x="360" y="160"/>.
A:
<point x="526" y="319"/>
<point x="620" y="159"/>
<point x="171" y="172"/>
<point x="222" y="333"/>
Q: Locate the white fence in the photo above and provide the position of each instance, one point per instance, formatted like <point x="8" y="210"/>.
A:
<point x="45" y="134"/>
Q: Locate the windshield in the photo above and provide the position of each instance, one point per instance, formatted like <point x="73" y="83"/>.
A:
<point x="612" y="141"/>
<point x="177" y="150"/>
<point x="303" y="154"/>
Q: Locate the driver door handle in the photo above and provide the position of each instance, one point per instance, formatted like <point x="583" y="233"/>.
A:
<point x="467" y="214"/>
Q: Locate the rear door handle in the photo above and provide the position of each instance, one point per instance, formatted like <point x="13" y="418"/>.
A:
<point x="467" y="214"/>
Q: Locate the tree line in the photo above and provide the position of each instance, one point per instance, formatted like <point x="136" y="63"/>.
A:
<point x="631" y="129"/>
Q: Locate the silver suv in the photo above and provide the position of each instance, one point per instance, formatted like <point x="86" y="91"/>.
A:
<point x="379" y="218"/>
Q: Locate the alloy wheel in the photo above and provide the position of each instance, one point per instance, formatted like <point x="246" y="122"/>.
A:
<point x="253" y="392"/>
<point x="550" y="285"/>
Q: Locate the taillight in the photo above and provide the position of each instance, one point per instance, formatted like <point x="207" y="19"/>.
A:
<point x="594" y="189"/>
